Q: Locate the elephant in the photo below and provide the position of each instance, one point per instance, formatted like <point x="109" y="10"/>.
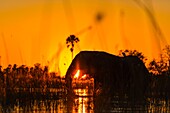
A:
<point x="115" y="74"/>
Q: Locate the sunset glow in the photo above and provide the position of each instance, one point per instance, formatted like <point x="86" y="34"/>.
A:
<point x="84" y="76"/>
<point x="76" y="76"/>
<point x="35" y="31"/>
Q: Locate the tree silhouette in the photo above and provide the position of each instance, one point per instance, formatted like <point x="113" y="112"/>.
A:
<point x="70" y="41"/>
<point x="140" y="55"/>
<point x="157" y="67"/>
<point x="162" y="65"/>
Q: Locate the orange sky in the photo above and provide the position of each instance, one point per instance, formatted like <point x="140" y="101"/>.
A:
<point x="35" y="31"/>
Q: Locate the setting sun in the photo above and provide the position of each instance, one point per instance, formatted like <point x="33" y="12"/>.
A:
<point x="77" y="74"/>
<point x="84" y="76"/>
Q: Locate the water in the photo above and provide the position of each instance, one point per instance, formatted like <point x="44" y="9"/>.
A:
<point x="83" y="104"/>
<point x="55" y="100"/>
<point x="51" y="105"/>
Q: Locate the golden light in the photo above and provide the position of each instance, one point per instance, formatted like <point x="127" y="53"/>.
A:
<point x="61" y="60"/>
<point x="84" y="76"/>
<point x="77" y="74"/>
<point x="45" y="34"/>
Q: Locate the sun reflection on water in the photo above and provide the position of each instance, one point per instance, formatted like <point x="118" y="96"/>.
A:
<point x="83" y="104"/>
<point x="83" y="88"/>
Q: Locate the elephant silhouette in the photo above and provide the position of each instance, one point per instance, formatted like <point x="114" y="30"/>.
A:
<point x="116" y="75"/>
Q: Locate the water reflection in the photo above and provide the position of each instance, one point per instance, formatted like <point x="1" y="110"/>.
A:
<point x="159" y="105"/>
<point x="84" y="103"/>
<point x="19" y="104"/>
<point x="26" y="106"/>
